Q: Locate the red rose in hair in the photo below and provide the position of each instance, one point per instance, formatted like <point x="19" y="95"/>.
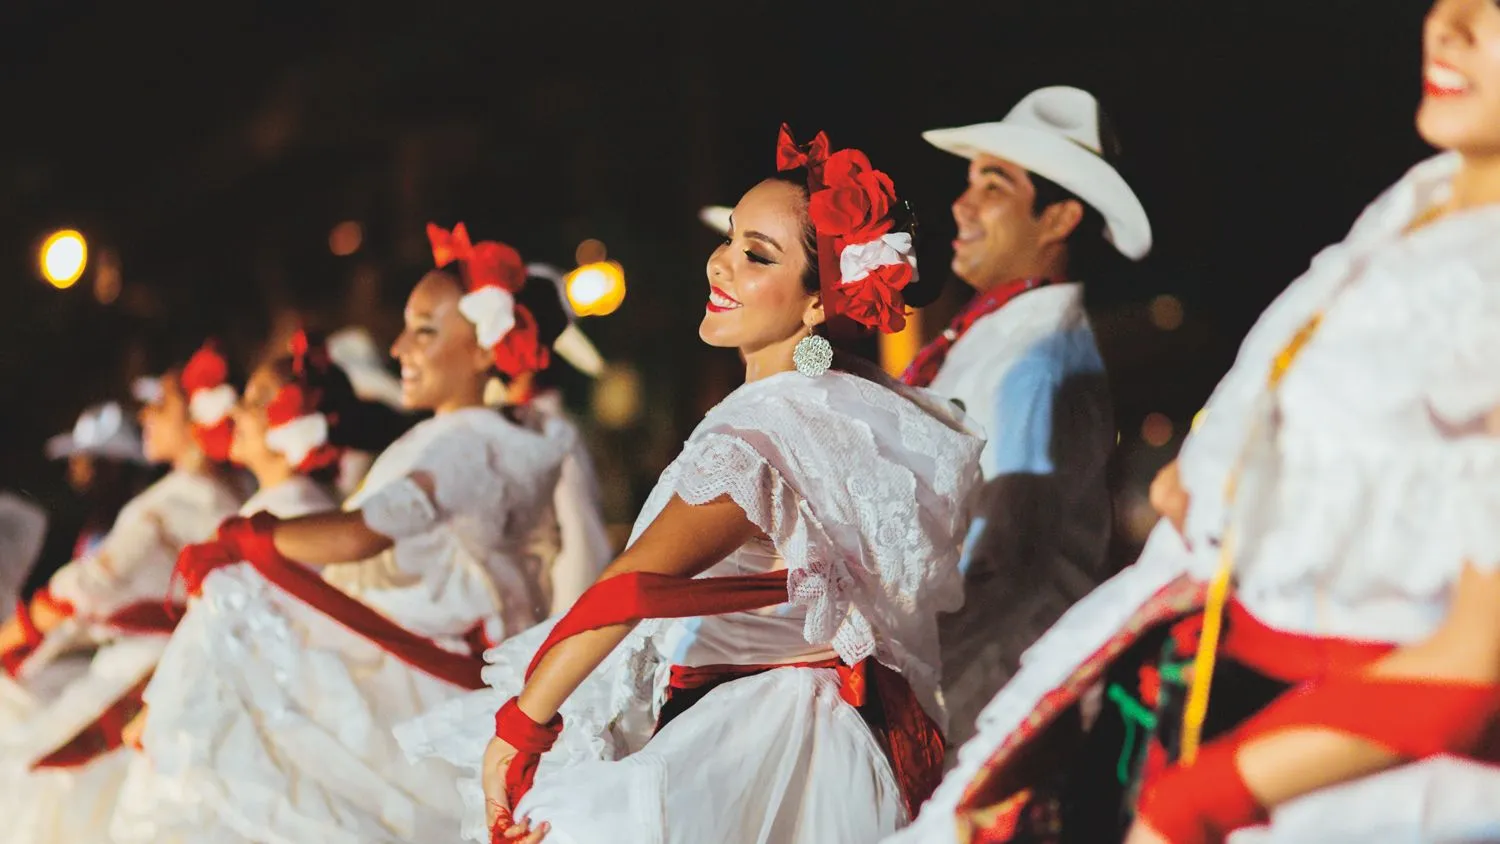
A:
<point x="855" y="206"/>
<point x="875" y="300"/>
<point x="205" y="370"/>
<point x="288" y="404"/>
<point x="521" y="349"/>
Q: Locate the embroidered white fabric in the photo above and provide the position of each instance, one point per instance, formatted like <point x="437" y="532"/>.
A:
<point x="1371" y="481"/>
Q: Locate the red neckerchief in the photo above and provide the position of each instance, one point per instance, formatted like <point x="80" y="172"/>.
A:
<point x="924" y="367"/>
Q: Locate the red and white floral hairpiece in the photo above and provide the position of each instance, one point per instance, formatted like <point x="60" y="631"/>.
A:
<point x="494" y="274"/>
<point x="205" y="381"/>
<point x="862" y="264"/>
<point x="298" y="427"/>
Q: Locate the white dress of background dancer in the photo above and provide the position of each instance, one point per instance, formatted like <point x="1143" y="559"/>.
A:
<point x="861" y="491"/>
<point x="133" y="565"/>
<point x="270" y="722"/>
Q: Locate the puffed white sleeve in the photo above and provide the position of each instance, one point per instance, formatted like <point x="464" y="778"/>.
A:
<point x="457" y="476"/>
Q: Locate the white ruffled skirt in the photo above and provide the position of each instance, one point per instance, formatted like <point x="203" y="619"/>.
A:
<point x="271" y="723"/>
<point x="74" y="804"/>
<point x="775" y="758"/>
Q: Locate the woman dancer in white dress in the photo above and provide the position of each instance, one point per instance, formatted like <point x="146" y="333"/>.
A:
<point x="1345" y="475"/>
<point x="62" y="766"/>
<point x="791" y="694"/>
<point x="270" y="718"/>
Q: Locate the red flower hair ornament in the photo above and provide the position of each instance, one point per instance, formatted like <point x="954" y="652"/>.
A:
<point x="210" y="397"/>
<point x="863" y="265"/>
<point x="493" y="273"/>
<point x="298" y="428"/>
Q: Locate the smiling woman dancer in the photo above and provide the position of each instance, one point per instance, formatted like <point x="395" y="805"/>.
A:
<point x="789" y="694"/>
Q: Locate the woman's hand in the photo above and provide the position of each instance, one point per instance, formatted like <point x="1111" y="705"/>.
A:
<point x="131" y="735"/>
<point x="497" y="808"/>
<point x="1168" y="497"/>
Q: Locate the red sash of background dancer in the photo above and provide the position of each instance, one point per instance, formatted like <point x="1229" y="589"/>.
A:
<point x="914" y="742"/>
<point x="252" y="542"/>
<point x="104" y="733"/>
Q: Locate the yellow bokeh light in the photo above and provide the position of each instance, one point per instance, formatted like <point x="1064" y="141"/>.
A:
<point x="596" y="289"/>
<point x="64" y="255"/>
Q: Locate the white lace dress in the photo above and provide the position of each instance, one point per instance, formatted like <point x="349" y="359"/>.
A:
<point x="269" y="722"/>
<point x="1371" y="481"/>
<point x="132" y="565"/>
<point x="863" y="495"/>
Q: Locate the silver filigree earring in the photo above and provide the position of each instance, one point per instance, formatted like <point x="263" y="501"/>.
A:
<point x="813" y="355"/>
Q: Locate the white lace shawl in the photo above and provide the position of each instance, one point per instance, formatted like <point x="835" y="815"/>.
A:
<point x="865" y="493"/>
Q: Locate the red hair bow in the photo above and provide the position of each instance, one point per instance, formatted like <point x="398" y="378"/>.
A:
<point x="483" y="264"/>
<point x="790" y="155"/>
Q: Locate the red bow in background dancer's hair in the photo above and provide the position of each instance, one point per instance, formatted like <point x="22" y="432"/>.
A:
<point x="494" y="273"/>
<point x="484" y="264"/>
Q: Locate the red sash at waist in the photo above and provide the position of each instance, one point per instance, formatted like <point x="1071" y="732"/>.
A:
<point x="145" y="617"/>
<point x="102" y="735"/>
<point x="913" y="740"/>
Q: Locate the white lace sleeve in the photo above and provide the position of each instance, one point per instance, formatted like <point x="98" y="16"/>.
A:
<point x="92" y="584"/>
<point x="461" y="469"/>
<point x="865" y="494"/>
<point x="724" y="464"/>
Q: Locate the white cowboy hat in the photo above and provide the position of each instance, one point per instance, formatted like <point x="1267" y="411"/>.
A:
<point x="716" y="217"/>
<point x="1054" y="132"/>
<point x="102" y="431"/>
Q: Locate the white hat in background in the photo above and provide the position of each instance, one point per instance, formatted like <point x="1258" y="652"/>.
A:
<point x="572" y="345"/>
<point x="716" y="217"/>
<point x="102" y="431"/>
<point x="1054" y="133"/>
<point x="146" y="389"/>
<point x="355" y="352"/>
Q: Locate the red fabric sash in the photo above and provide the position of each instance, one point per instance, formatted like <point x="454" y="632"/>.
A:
<point x="915" y="744"/>
<point x="1278" y="654"/>
<point x="99" y="737"/>
<point x="1412" y="718"/>
<point x="146" y="617"/>
<point x="628" y="598"/>
<point x="251" y="540"/>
